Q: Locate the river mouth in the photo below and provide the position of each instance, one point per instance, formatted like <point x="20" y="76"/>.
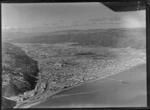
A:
<point x="111" y="93"/>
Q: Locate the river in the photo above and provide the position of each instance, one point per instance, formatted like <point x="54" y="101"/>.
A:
<point x="108" y="92"/>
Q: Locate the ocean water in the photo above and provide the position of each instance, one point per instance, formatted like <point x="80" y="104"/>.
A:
<point x="126" y="89"/>
<point x="7" y="103"/>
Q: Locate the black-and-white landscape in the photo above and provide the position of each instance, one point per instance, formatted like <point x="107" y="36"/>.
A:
<point x="72" y="55"/>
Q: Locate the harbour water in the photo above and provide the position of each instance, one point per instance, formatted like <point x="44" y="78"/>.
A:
<point x="126" y="89"/>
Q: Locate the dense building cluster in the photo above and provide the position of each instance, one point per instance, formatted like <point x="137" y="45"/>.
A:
<point x="63" y="66"/>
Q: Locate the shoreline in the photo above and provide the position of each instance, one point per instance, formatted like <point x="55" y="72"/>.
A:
<point x="88" y="81"/>
<point x="96" y="79"/>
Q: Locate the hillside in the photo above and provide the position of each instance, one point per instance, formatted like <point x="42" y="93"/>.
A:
<point x="134" y="37"/>
<point x="19" y="71"/>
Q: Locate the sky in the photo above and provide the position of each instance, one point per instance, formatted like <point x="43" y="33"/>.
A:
<point x="61" y="16"/>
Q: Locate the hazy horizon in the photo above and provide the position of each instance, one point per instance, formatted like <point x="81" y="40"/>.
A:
<point x="73" y="54"/>
<point x="42" y="17"/>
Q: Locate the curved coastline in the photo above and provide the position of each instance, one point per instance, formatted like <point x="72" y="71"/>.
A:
<point x="79" y="84"/>
<point x="114" y="94"/>
<point x="123" y="64"/>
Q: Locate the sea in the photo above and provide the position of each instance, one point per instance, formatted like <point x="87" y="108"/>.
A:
<point x="126" y="89"/>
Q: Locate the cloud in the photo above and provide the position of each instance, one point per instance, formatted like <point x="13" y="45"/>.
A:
<point x="46" y="24"/>
<point x="131" y="21"/>
<point x="62" y="26"/>
<point x="10" y="27"/>
<point x="80" y="24"/>
<point x="74" y="24"/>
<point x="61" y="21"/>
<point x="113" y="20"/>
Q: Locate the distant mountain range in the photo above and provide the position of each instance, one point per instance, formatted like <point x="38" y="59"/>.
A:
<point x="123" y="37"/>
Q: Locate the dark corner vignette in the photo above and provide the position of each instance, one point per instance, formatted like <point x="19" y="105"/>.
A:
<point x="148" y="50"/>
